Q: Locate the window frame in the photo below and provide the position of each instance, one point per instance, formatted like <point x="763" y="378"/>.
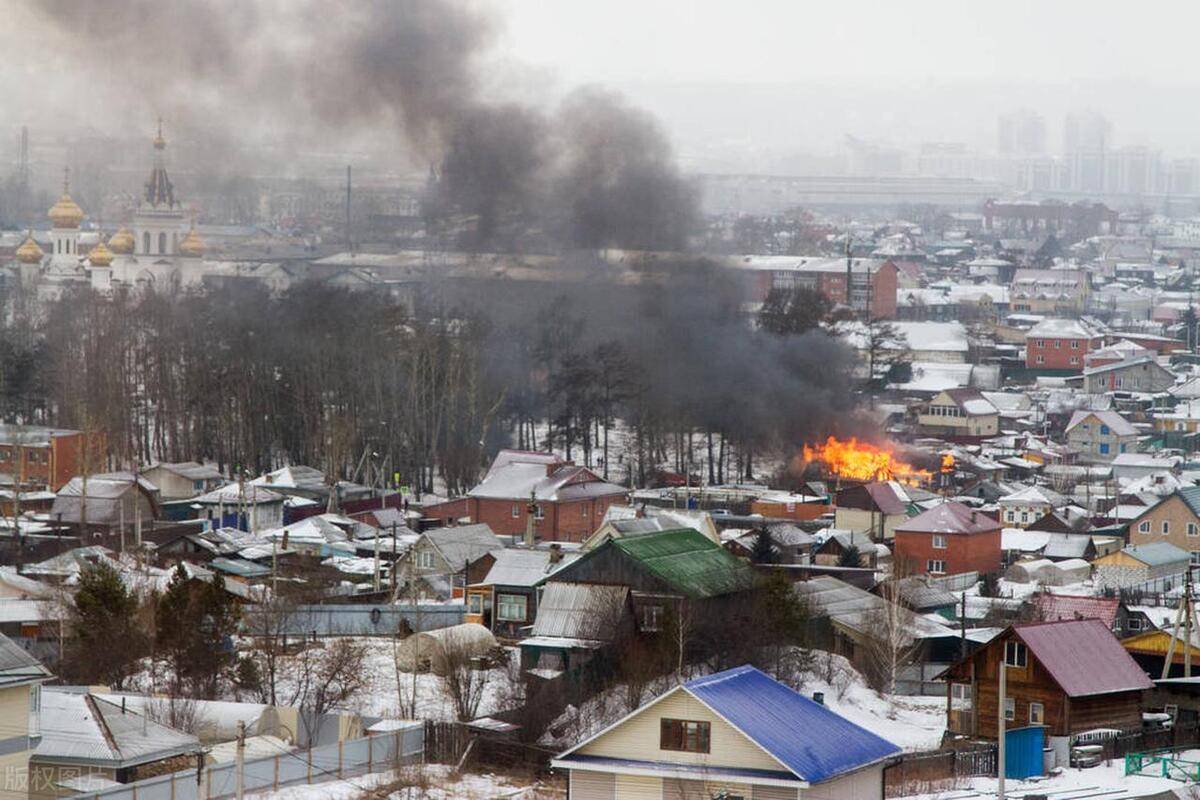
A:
<point x="939" y="541"/>
<point x="1010" y="709"/>
<point x="932" y="564"/>
<point x="1041" y="714"/>
<point x="1020" y="659"/>
<point x="508" y="599"/>
<point x="684" y="735"/>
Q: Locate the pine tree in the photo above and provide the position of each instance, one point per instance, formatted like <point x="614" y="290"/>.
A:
<point x="763" y="551"/>
<point x="104" y="642"/>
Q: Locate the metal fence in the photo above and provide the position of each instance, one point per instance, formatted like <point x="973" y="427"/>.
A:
<point x="364" y="619"/>
<point x="344" y="759"/>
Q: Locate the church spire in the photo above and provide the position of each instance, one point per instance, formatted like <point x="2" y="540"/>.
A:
<point x="159" y="190"/>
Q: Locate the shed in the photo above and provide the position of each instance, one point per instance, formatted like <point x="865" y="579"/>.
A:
<point x="1156" y="566"/>
<point x="427" y="651"/>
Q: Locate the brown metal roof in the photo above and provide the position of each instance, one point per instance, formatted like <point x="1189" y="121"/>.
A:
<point x="1083" y="656"/>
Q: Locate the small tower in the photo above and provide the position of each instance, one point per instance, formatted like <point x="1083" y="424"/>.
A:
<point x="65" y="216"/>
<point x="192" y="245"/>
<point x="158" y="223"/>
<point x="29" y="252"/>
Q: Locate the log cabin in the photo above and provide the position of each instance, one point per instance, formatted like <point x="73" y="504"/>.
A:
<point x="1070" y="676"/>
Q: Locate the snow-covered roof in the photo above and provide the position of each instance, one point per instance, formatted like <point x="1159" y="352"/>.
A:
<point x="1115" y="422"/>
<point x="1056" y="328"/>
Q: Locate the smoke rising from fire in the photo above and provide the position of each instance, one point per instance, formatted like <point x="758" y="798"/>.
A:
<point x="592" y="172"/>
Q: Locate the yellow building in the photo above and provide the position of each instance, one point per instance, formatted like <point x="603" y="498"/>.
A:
<point x="21" y="677"/>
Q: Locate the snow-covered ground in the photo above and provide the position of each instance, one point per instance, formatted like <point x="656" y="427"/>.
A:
<point x="1103" y="782"/>
<point x="429" y="782"/>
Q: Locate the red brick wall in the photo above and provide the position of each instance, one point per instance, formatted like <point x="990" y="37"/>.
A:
<point x="1056" y="353"/>
<point x="883" y="292"/>
<point x="963" y="553"/>
<point x="561" y="522"/>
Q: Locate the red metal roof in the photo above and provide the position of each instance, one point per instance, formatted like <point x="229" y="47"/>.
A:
<point x="950" y="517"/>
<point x="1055" y="607"/>
<point x="1083" y="656"/>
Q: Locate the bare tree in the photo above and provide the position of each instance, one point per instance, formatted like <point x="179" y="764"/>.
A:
<point x="465" y="680"/>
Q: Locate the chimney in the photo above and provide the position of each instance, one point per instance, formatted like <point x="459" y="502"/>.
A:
<point x="819" y="698"/>
<point x="974" y="515"/>
<point x="556" y="553"/>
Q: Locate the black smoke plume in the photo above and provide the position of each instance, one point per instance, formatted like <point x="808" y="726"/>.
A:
<point x="593" y="172"/>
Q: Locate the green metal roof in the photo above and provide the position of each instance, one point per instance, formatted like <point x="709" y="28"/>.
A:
<point x="688" y="561"/>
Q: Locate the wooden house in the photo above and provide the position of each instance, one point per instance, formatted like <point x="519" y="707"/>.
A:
<point x="734" y="734"/>
<point x="505" y="599"/>
<point x="1069" y="676"/>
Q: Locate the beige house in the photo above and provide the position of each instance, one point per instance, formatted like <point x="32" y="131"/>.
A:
<point x="21" y="678"/>
<point x="181" y="480"/>
<point x="960" y="414"/>
<point x="1025" y="507"/>
<point x="1174" y="519"/>
<point x="1101" y="435"/>
<point x="734" y="734"/>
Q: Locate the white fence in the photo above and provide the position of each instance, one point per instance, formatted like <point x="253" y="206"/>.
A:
<point x="306" y="766"/>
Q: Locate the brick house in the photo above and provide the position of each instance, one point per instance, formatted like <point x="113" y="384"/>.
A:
<point x="1060" y="344"/>
<point x="1174" y="519"/>
<point x="1069" y="676"/>
<point x="947" y="540"/>
<point x="1101" y="435"/>
<point x="1049" y="291"/>
<point x="567" y="501"/>
<point x="46" y="458"/>
<point x="872" y="280"/>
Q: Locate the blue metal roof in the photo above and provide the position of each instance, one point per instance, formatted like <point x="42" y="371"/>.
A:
<point x="805" y="736"/>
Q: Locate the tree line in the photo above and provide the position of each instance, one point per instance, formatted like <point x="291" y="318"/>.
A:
<point x="429" y="384"/>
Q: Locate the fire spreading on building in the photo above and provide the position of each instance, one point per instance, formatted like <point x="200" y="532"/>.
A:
<point x="853" y="460"/>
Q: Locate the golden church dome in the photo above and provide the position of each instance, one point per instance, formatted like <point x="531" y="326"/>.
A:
<point x="121" y="242"/>
<point x="192" y="244"/>
<point x="100" y="256"/>
<point x="29" y="252"/>
<point x="66" y="213"/>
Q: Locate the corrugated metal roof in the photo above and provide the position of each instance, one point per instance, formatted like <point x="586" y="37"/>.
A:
<point x="950" y="517"/>
<point x="580" y="611"/>
<point x="85" y="728"/>
<point x="17" y="666"/>
<point x="688" y="561"/>
<point x="1157" y="554"/>
<point x="1054" y="607"/>
<point x="463" y="544"/>
<point x="1083" y="656"/>
<point x="516" y="567"/>
<point x="809" y="739"/>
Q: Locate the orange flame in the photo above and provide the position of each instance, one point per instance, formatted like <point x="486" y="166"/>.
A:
<point x="947" y="462"/>
<point x="865" y="462"/>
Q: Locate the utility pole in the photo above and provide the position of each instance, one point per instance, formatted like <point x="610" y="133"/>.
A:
<point x="349" y="238"/>
<point x="1002" y="723"/>
<point x="241" y="760"/>
<point x="376" y="571"/>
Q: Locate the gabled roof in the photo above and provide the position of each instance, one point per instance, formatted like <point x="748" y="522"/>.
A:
<point x="812" y="742"/>
<point x="1115" y="422"/>
<point x="688" y="561"/>
<point x="462" y="544"/>
<point x="521" y="476"/>
<point x="85" y="729"/>
<point x="190" y="470"/>
<point x="1191" y="496"/>
<point x="949" y="517"/>
<point x="17" y="666"/>
<point x="1035" y="494"/>
<point x="1083" y="657"/>
<point x="1119" y="365"/>
<point x="518" y="567"/>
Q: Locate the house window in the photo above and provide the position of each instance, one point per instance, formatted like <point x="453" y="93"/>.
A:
<point x="1192" y="530"/>
<point x="683" y="735"/>
<point x="1015" y="654"/>
<point x="1103" y="448"/>
<point x="1036" y="713"/>
<point x="1041" y="360"/>
<point x="425" y="559"/>
<point x="1195" y="558"/>
<point x="1024" y="516"/>
<point x="935" y="566"/>
<point x="1058" y="344"/>
<point x="652" y="618"/>
<point x="511" y="607"/>
<point x="1135" y="623"/>
<point x="1074" y="359"/>
<point x="1040" y="342"/>
<point x="475" y="604"/>
<point x="539" y="512"/>
<point x="1012" y="516"/>
<point x="1144" y="527"/>
<point x="583" y="510"/>
<point x="1104" y="430"/>
<point x="1074" y="344"/>
<point x="939" y="541"/>
<point x="1010" y="708"/>
<point x="516" y="510"/>
<point x="1166" y="527"/>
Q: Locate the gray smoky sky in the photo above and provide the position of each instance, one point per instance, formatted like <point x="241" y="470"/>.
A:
<point x="733" y="85"/>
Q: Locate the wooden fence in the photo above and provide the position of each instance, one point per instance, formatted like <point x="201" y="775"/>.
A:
<point x="454" y="743"/>
<point x="916" y="773"/>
